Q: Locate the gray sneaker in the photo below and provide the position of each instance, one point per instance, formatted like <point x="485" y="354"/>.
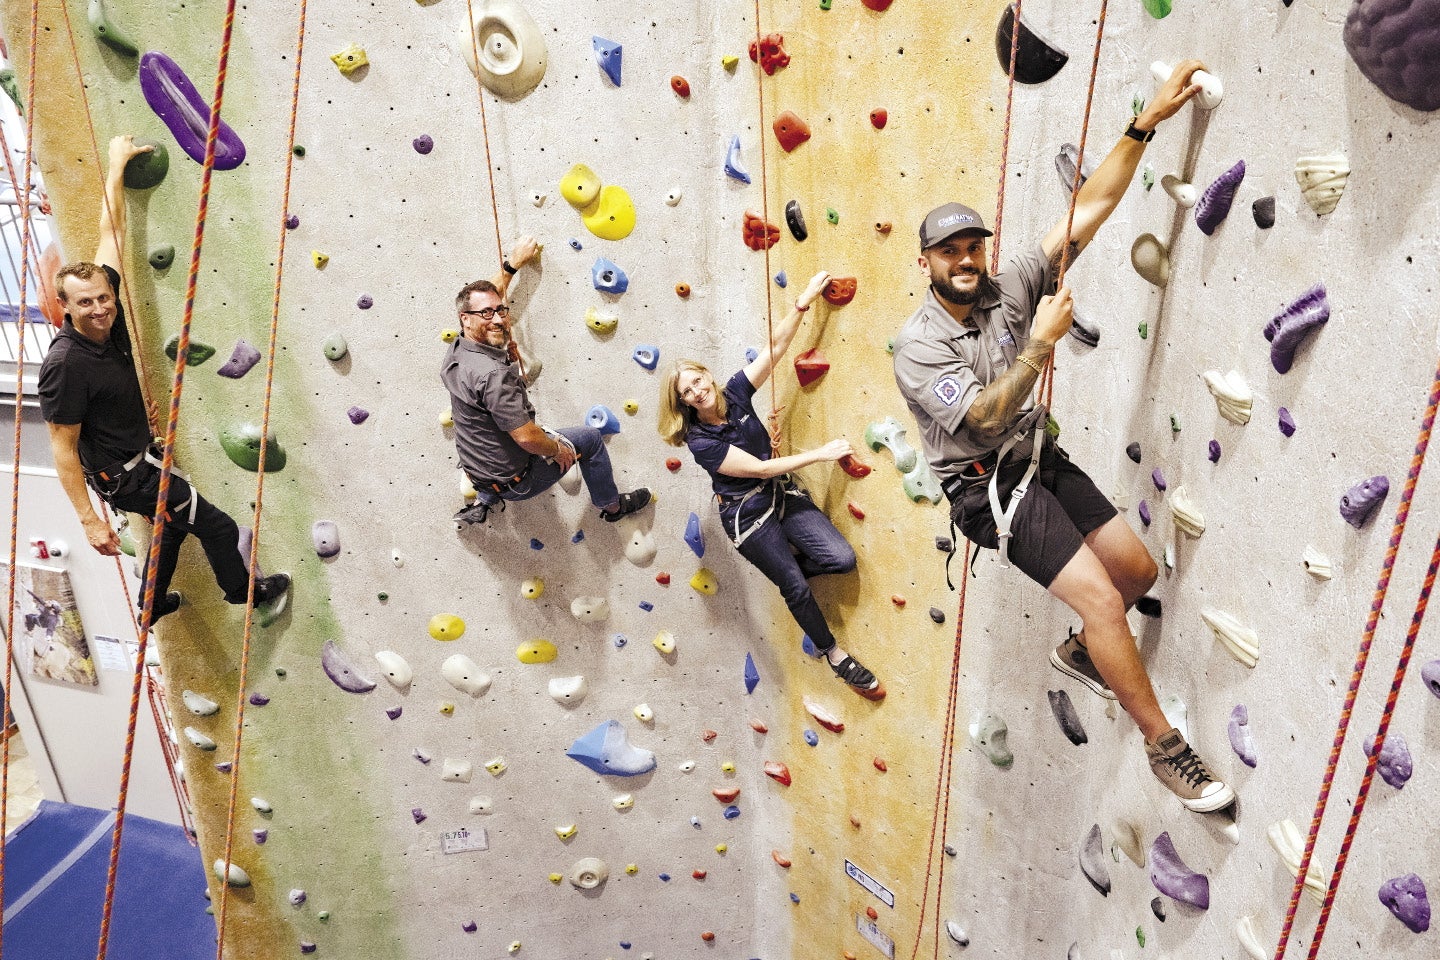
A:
<point x="1184" y="774"/>
<point x="1072" y="659"/>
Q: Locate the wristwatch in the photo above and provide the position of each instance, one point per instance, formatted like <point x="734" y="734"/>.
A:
<point x="1135" y="133"/>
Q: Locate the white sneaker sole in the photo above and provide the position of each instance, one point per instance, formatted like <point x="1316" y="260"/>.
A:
<point x="1100" y="690"/>
<point x="1217" y="801"/>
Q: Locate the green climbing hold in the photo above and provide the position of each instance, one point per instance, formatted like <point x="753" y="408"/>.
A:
<point x="1137" y="107"/>
<point x="280" y="672"/>
<point x="1140" y="934"/>
<point x="1159" y="9"/>
<point x="335" y="346"/>
<point x="298" y="150"/>
<point x="197" y="353"/>
<point x="1144" y="329"/>
<point x="1174" y="423"/>
<point x="832" y="215"/>
<point x="1052" y="427"/>
<point x="106" y="32"/>
<point x="146" y="170"/>
<point x="161" y="258"/>
<point x="11" y="88"/>
<point x="382" y="597"/>
<point x="323" y="915"/>
<point x="127" y="543"/>
<point x="241" y="442"/>
<point x="824" y="4"/>
<point x="890" y="345"/>
<point x="1147" y="176"/>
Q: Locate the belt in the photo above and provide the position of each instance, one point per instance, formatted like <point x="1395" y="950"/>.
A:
<point x="113" y="474"/>
<point x="510" y="483"/>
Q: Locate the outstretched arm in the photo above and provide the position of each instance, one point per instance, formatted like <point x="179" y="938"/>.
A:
<point x="524" y="250"/>
<point x="112" y="204"/>
<point x="759" y="369"/>
<point x="1101" y="193"/>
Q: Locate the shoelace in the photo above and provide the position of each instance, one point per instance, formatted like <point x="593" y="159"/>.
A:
<point x="1190" y="766"/>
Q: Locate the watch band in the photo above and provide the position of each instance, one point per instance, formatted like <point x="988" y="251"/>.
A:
<point x="1135" y="133"/>
<point x="505" y="264"/>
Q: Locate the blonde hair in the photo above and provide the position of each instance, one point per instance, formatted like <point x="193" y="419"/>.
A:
<point x="676" y="417"/>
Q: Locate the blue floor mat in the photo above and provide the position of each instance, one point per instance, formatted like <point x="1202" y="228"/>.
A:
<point x="55" y="869"/>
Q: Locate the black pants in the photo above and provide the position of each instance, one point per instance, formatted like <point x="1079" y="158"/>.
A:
<point x="218" y="534"/>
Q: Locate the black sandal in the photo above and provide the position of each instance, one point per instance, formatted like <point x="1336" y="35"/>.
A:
<point x="632" y="502"/>
<point x="854" y="673"/>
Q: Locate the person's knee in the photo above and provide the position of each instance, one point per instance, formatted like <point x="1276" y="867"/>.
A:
<point x="588" y="441"/>
<point x="795" y="590"/>
<point x="842" y="558"/>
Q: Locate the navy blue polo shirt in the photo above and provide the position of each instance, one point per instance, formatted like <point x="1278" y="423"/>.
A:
<point x="95" y="385"/>
<point x="742" y="428"/>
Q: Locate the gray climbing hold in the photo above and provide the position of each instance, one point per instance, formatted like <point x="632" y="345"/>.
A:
<point x="1394" y="764"/>
<point x="1430" y="674"/>
<point x="937" y="614"/>
<point x="1173" y="878"/>
<point x="1264" y="212"/>
<point x="335" y="346"/>
<point x="162" y="256"/>
<point x="242" y="360"/>
<point x="1083" y="331"/>
<point x="1092" y="861"/>
<point x="339" y="669"/>
<point x="1036" y="59"/>
<point x="1363" y="499"/>
<point x="1405" y="897"/>
<point x="1133" y="452"/>
<point x="1067" y="717"/>
<point x="326" y="537"/>
<point x="1157" y="907"/>
<point x="989" y="734"/>
<point x="1242" y="740"/>
<point x="795" y="220"/>
<point x="1065" y="162"/>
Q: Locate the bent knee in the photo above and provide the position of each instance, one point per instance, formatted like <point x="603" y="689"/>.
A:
<point x="842" y="559"/>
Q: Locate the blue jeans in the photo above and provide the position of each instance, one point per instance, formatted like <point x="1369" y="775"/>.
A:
<point x="594" y="467"/>
<point x="821" y="549"/>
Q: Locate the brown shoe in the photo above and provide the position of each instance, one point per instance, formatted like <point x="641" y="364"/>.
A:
<point x="1184" y="774"/>
<point x="1072" y="659"/>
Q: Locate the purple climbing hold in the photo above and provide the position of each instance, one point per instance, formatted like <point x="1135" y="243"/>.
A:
<point x="258" y="699"/>
<point x="812" y="738"/>
<point x="423" y="143"/>
<point x="1172" y="878"/>
<point x="1159" y="479"/>
<point x="578" y="537"/>
<point x="1214" y="204"/>
<point x="242" y="360"/>
<point x="1241" y="738"/>
<point x="1293" y="324"/>
<point x="225" y="766"/>
<point x="418" y="814"/>
<point x="1397" y="48"/>
<point x="1395" y="764"/>
<point x="307" y="947"/>
<point x="365" y="302"/>
<point x="1287" y="422"/>
<point x="1362" y="500"/>
<point x="1430" y="674"/>
<point x="394" y="712"/>
<point x="291" y="222"/>
<point x="176" y="101"/>
<point x="1405" y="897"/>
<point x="469" y="926"/>
<point x="1214" y="453"/>
<point x="694" y="537"/>
<point x="260" y="835"/>
<point x="664" y="878"/>
<point x="646" y="605"/>
<point x="752" y="674"/>
<point x="781" y="280"/>
<point x="536" y="544"/>
<point x="608" y="54"/>
<point x="1144" y="511"/>
<point x="357" y="415"/>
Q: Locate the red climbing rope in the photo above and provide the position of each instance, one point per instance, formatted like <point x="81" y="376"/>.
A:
<point x="484" y="129"/>
<point x="1377" y="604"/>
<point x="240" y="698"/>
<point x="182" y="350"/>
<point x="765" y="244"/>
<point x="22" y="193"/>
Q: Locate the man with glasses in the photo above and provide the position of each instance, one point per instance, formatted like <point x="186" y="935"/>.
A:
<point x="504" y="452"/>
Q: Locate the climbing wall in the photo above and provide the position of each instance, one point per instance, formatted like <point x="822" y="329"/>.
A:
<point x="438" y="815"/>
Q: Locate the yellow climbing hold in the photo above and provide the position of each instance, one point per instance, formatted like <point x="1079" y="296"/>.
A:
<point x="729" y="61"/>
<point x="446" y="418"/>
<point x="567" y="831"/>
<point x="556" y="877"/>
<point x="446" y="626"/>
<point x="581" y="186"/>
<point x="532" y="588"/>
<point x="613" y="217"/>
<point x="632" y="407"/>
<point x="632" y="868"/>
<point x="496" y="766"/>
<point x="664" y="642"/>
<point x="447" y="708"/>
<point x="449" y="335"/>
<point x="704" y="582"/>
<point x="319" y="259"/>
<point x="728" y="766"/>
<point x="514" y="946"/>
<point x="721" y="848"/>
<point x="536" y="651"/>
<point x="601" y="322"/>
<point x="350" y="59"/>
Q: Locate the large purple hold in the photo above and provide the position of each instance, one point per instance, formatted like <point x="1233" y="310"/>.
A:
<point x="1241" y="738"/>
<point x="1430" y="673"/>
<point x="1405" y="897"/>
<point x="1362" y="500"/>
<point x="1172" y="878"/>
<point x="1214" y="204"/>
<point x="1290" y="326"/>
<point x="1395" y="764"/>
<point x="1396" y="44"/>
<point x="176" y="101"/>
<point x="242" y="359"/>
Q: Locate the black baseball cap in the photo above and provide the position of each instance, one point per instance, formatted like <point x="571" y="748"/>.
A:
<point x="944" y="222"/>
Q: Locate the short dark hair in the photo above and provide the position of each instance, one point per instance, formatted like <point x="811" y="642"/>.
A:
<point x="80" y="270"/>
<point x="462" y="299"/>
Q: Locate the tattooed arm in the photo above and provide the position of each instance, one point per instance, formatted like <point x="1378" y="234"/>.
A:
<point x="994" y="409"/>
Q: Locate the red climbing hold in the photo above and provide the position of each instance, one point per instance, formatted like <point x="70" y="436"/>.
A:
<point x="698" y="874"/>
<point x="772" y="55"/>
<point x="663" y="579"/>
<point x="758" y="234"/>
<point x="780" y="773"/>
<point x="708" y="736"/>
<point x="775" y="855"/>
<point x="854" y="821"/>
<point x="840" y="291"/>
<point x="810" y="366"/>
<point x="853" y="466"/>
<point x="897" y="599"/>
<point x="790" y="130"/>
<point x="726" y="794"/>
<point x="855" y="510"/>
<point x="707" y="936"/>
<point x="681" y="86"/>
<point x="759" y="726"/>
<point x="870" y="911"/>
<point x="879" y="6"/>
<point x="672" y="464"/>
<point x="881" y="765"/>
<point x="878" y="117"/>
<point x="874" y="695"/>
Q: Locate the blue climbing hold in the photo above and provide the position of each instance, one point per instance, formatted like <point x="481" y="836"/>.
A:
<point x="608" y="278"/>
<point x="608" y="54"/>
<point x="602" y="418"/>
<point x="619" y="640"/>
<point x="664" y="878"/>
<point x="781" y="280"/>
<point x="750" y="354"/>
<point x="694" y="537"/>
<point x="579" y="535"/>
<point x="794" y="898"/>
<point x="647" y="355"/>
<point x="575" y="244"/>
<point x="808" y="646"/>
<point x="752" y="675"/>
<point x="607" y="750"/>
<point x="731" y="812"/>
<point x="536" y="544"/>
<point x="646" y="605"/>
<point x="732" y="161"/>
<point x="812" y="738"/>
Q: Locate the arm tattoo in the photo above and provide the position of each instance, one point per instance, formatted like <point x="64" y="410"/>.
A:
<point x="992" y="412"/>
<point x="1074" y="249"/>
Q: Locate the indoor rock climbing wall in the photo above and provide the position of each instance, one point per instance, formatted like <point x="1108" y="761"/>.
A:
<point x="441" y="816"/>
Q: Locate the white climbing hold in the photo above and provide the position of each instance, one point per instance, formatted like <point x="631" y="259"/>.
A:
<point x="198" y="705"/>
<point x="537" y="198"/>
<point x="1130" y="841"/>
<point x="1286" y="840"/>
<point x="1212" y="91"/>
<point x="571" y="479"/>
<point x="589" y="873"/>
<point x="1188" y="518"/>
<point x="643" y="713"/>
<point x="957" y="933"/>
<point x="456" y="771"/>
<point x="640" y="548"/>
<point x="397" y="559"/>
<point x="1250" y="938"/>
<point x="623" y="802"/>
<point x="1176" y="712"/>
<point x="1184" y="194"/>
<point x="1317" y="564"/>
<point x="504" y="48"/>
<point x="261" y="805"/>
<point x="1242" y="642"/>
<point x="686" y="766"/>
<point x="198" y="739"/>
<point x="482" y="804"/>
<point x="1232" y="395"/>
<point x="823" y="716"/>
<point x="1322" y="180"/>
<point x="396" y="668"/>
<point x="1151" y="259"/>
<point x="464" y="675"/>
<point x="673" y="196"/>
<point x="235" y="876"/>
<point x="568" y="691"/>
<point x="590" y="609"/>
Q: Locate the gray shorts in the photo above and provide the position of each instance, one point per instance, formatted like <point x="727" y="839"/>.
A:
<point x="1061" y="507"/>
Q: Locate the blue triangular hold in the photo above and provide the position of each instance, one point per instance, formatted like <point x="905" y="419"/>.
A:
<point x="607" y="750"/>
<point x="693" y="536"/>
<point x="752" y="675"/>
<point x="608" y="54"/>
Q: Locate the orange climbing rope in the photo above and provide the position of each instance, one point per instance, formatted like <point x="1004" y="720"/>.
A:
<point x="240" y="698"/>
<point x="22" y="192"/>
<point x="182" y="350"/>
<point x="765" y="245"/>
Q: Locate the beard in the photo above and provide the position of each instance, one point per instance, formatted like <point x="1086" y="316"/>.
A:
<point x="961" y="298"/>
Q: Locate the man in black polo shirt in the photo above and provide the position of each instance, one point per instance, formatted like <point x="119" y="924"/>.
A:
<point x="504" y="452"/>
<point x="101" y="431"/>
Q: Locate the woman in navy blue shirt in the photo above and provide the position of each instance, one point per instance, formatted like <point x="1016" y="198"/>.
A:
<point x="764" y="513"/>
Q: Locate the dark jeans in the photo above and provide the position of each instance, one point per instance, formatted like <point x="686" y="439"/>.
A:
<point x="218" y="534"/>
<point x="594" y="467"/>
<point x="822" y="549"/>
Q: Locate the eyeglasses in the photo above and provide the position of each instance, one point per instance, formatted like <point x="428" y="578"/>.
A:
<point x="488" y="313"/>
<point x="692" y="391"/>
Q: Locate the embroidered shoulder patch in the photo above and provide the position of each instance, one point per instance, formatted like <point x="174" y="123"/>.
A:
<point x="947" y="388"/>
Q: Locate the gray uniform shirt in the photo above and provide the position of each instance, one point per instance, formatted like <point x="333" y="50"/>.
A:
<point x="487" y="400"/>
<point x="941" y="366"/>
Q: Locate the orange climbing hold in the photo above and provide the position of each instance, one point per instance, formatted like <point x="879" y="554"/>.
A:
<point x="854" y="821"/>
<point x="758" y="234"/>
<point x="708" y="736"/>
<point x="682" y="290"/>
<point x="875" y="695"/>
<point x="897" y="599"/>
<point x="681" y="86"/>
<point x="811" y="366"/>
<point x="854" y="466"/>
<point x="672" y="464"/>
<point x="771" y="53"/>
<point x="781" y="861"/>
<point x="707" y="936"/>
<point x="778" y="772"/>
<point x="790" y="130"/>
<point x="855" y="510"/>
<point x="759" y="726"/>
<point x="726" y="794"/>
<point x="840" y="291"/>
<point x="871" y="913"/>
<point x="883" y="227"/>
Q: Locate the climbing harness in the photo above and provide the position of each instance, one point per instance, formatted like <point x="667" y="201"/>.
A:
<point x="778" y="487"/>
<point x="107" y="483"/>
<point x="1005" y="516"/>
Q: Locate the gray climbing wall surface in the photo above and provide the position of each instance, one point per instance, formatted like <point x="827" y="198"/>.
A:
<point x="366" y="791"/>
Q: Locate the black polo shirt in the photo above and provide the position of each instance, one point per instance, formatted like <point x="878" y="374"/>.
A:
<point x="743" y="428"/>
<point x="95" y="385"/>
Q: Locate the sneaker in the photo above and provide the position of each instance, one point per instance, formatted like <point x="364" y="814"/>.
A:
<point x="167" y="604"/>
<point x="271" y="588"/>
<point x="853" y="673"/>
<point x="477" y="512"/>
<point x="1072" y="659"/>
<point x="1184" y="774"/>
<point x="632" y="502"/>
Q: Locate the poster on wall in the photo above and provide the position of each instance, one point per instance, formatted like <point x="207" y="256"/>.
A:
<point x="51" y="637"/>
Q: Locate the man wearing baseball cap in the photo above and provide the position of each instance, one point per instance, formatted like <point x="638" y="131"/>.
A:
<point x="967" y="362"/>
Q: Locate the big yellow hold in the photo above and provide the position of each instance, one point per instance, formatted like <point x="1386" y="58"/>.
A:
<point x="581" y="186"/>
<point x="319" y="259"/>
<point x="536" y="651"/>
<point x="613" y="217"/>
<point x="532" y="589"/>
<point x="664" y="642"/>
<point x="350" y="59"/>
<point x="601" y="322"/>
<point x="704" y="582"/>
<point x="446" y="626"/>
